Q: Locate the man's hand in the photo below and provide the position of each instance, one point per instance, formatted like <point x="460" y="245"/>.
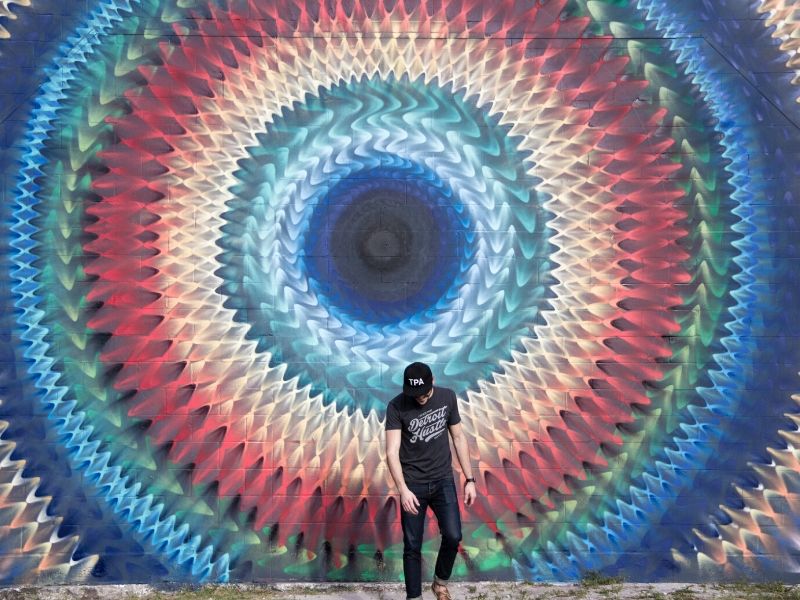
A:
<point x="409" y="501"/>
<point x="470" y="493"/>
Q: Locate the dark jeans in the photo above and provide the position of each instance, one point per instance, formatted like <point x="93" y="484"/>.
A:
<point x="441" y="496"/>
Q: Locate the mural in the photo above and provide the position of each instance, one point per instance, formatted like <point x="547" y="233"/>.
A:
<point x="229" y="224"/>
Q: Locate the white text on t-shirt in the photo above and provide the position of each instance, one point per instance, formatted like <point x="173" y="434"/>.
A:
<point x="428" y="425"/>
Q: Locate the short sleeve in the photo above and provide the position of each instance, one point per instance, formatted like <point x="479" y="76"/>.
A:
<point x="454" y="418"/>
<point x="393" y="417"/>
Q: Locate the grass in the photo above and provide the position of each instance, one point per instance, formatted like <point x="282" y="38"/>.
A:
<point x="213" y="592"/>
<point x="650" y="595"/>
<point x="687" y="593"/>
<point x="759" y="591"/>
<point x="594" y="579"/>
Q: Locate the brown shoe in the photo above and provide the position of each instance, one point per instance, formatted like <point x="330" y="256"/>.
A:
<point x="440" y="591"/>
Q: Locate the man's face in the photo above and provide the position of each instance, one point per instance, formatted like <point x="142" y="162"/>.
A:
<point x="421" y="400"/>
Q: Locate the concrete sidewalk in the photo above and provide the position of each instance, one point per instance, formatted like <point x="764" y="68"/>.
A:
<point x="603" y="590"/>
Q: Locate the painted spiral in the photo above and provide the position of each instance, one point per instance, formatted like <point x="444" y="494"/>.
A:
<point x="233" y="223"/>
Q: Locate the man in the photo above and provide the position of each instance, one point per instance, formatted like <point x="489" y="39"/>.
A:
<point x="419" y="459"/>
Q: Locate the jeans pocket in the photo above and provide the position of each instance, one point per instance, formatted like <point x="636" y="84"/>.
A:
<point x="449" y="492"/>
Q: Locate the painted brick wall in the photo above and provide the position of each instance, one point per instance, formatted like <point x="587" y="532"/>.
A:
<point x="228" y="225"/>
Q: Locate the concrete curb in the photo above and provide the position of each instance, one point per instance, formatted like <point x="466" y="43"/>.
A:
<point x="395" y="591"/>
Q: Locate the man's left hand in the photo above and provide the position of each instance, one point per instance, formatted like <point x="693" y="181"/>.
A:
<point x="470" y="493"/>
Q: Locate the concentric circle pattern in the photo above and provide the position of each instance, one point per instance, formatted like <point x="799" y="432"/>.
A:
<point x="363" y="238"/>
<point x="231" y="224"/>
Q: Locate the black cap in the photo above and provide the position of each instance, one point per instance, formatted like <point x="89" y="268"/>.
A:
<point x="417" y="379"/>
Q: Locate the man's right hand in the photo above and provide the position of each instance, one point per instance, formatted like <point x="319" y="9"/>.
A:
<point x="409" y="501"/>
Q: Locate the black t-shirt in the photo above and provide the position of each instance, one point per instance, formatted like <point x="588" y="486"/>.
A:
<point x="424" y="440"/>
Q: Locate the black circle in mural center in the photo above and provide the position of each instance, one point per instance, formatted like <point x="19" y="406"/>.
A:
<point x="384" y="248"/>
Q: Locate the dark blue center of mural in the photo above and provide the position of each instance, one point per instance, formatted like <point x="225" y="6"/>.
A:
<point x="384" y="243"/>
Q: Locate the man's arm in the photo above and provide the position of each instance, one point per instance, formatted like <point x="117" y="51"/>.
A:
<point x="408" y="500"/>
<point x="462" y="452"/>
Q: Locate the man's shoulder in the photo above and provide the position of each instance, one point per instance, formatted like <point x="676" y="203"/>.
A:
<point x="397" y="401"/>
<point x="445" y="393"/>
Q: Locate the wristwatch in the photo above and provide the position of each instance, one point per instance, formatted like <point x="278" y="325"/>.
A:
<point x="469" y="480"/>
